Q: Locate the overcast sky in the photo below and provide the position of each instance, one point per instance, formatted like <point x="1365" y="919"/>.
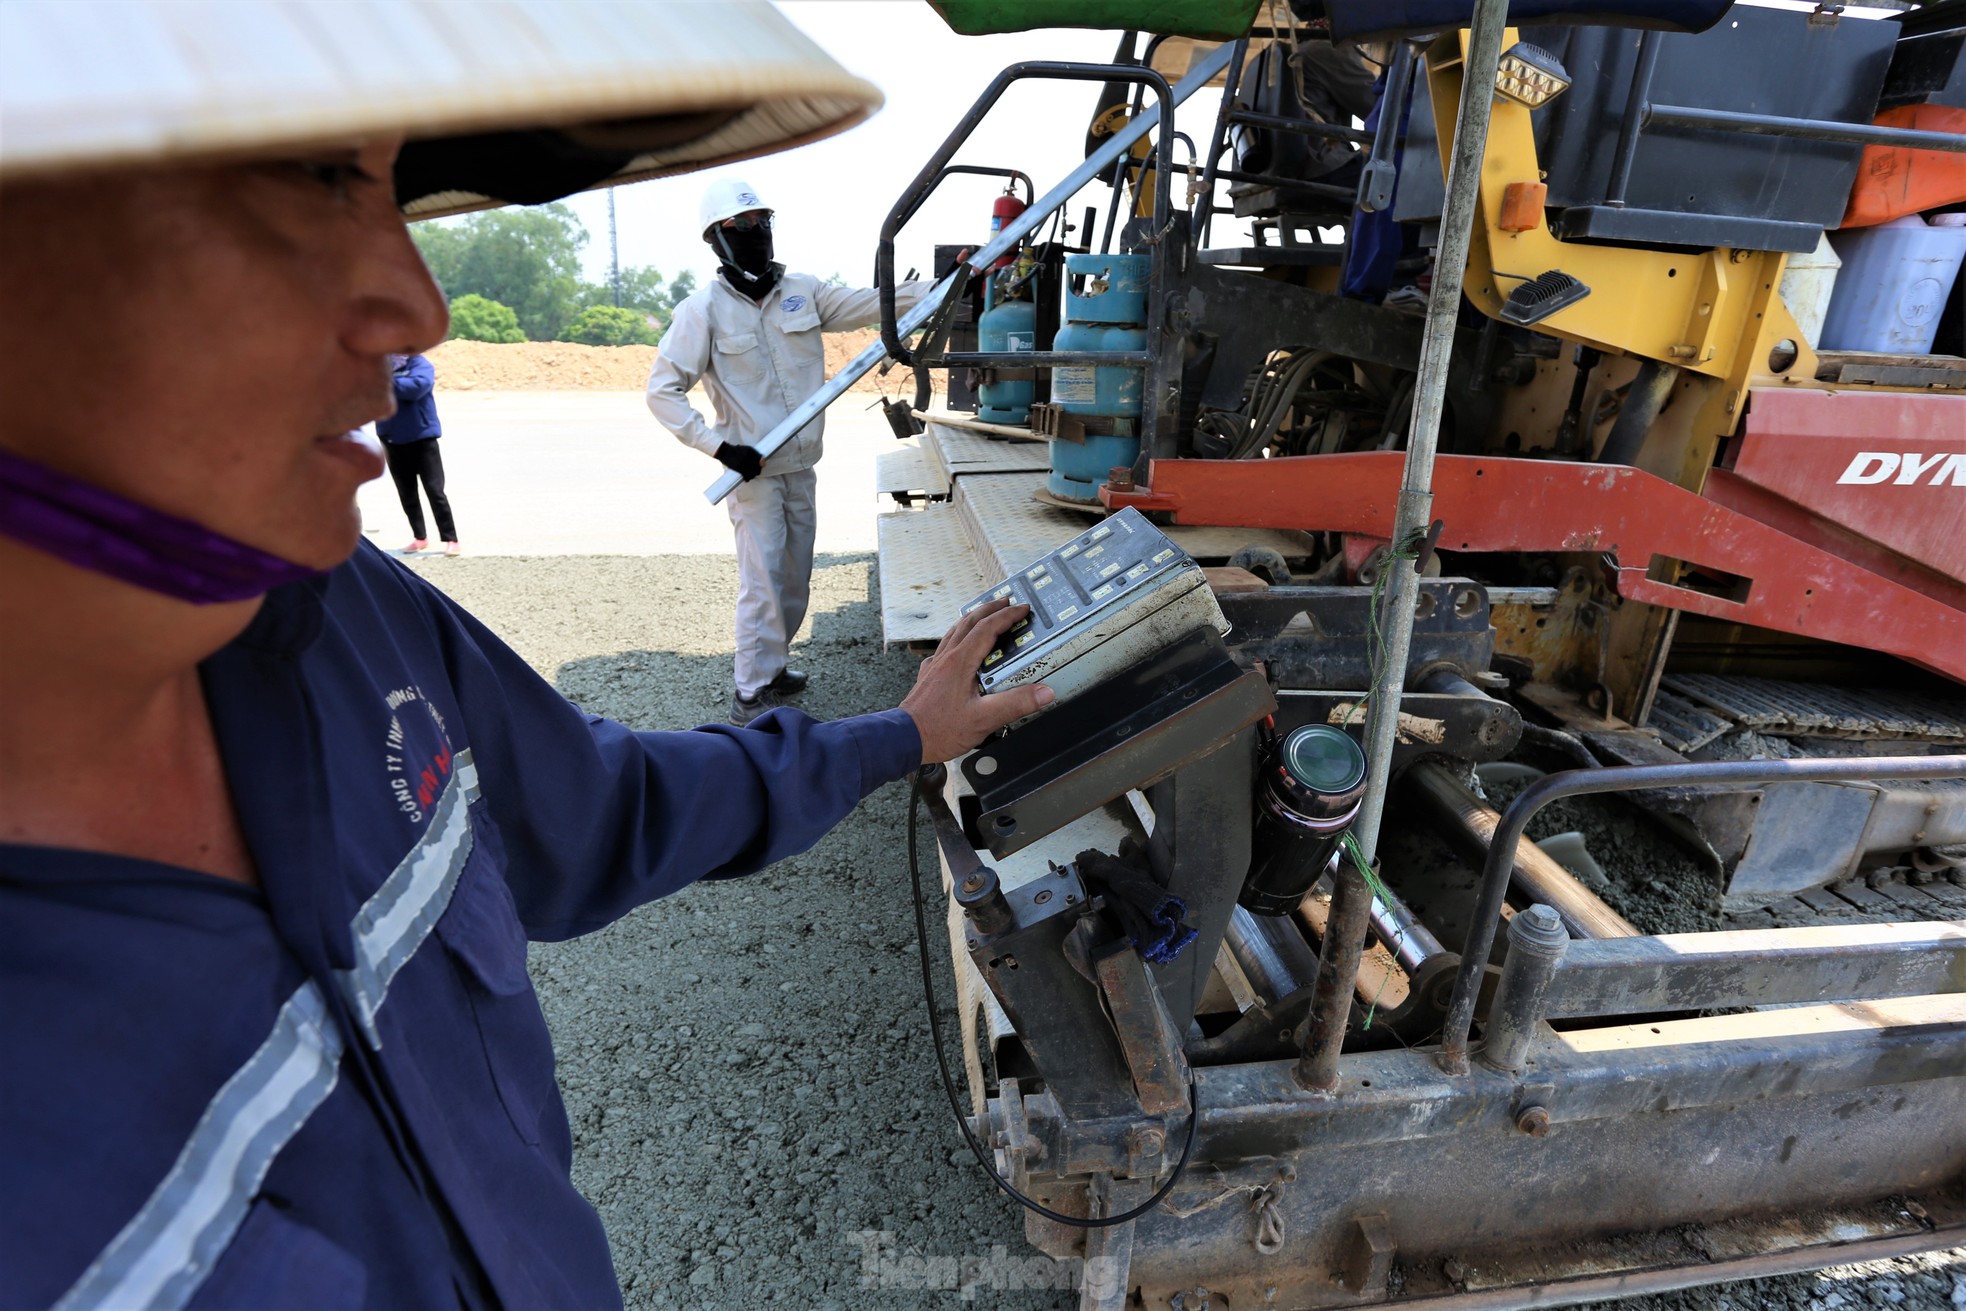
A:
<point x="831" y="197"/>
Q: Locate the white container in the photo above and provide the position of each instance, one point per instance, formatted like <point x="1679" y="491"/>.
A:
<point x="1807" y="282"/>
<point x="1893" y="285"/>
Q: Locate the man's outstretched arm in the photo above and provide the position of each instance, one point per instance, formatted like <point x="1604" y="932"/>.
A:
<point x="596" y="819"/>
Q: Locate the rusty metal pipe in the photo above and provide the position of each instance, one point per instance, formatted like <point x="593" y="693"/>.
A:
<point x="1471" y="826"/>
<point x="1337" y="979"/>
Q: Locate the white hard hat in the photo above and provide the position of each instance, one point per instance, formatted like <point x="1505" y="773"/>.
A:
<point x="726" y="198"/>
<point x="503" y="101"/>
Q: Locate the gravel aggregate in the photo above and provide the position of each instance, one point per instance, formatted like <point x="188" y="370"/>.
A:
<point x="755" y="1107"/>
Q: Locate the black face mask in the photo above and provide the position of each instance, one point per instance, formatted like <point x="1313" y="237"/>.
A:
<point x="747" y="258"/>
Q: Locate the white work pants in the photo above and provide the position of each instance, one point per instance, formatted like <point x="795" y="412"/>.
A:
<point x="776" y="520"/>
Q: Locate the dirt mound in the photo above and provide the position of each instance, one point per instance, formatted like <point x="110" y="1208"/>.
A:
<point x="563" y="366"/>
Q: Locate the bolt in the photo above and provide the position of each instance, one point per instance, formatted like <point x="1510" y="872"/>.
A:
<point x="974" y="883"/>
<point x="1144" y="1140"/>
<point x="1533" y="1120"/>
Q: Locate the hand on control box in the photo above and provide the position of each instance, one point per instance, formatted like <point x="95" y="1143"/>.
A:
<point x="950" y="711"/>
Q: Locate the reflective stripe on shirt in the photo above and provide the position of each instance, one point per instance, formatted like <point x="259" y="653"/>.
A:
<point x="393" y="923"/>
<point x="162" y="1256"/>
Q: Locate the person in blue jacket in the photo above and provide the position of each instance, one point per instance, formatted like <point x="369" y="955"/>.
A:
<point x="409" y="443"/>
<point x="277" y="818"/>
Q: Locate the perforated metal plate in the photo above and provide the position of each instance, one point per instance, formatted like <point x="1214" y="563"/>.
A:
<point x="927" y="570"/>
<point x="908" y="471"/>
<point x="1001" y="512"/>
<point x="961" y="449"/>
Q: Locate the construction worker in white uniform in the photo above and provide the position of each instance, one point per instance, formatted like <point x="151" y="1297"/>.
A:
<point x="752" y="338"/>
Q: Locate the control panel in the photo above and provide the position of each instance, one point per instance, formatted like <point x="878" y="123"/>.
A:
<point x="1112" y="596"/>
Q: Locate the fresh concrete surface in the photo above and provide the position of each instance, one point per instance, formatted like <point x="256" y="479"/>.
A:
<point x="593" y="473"/>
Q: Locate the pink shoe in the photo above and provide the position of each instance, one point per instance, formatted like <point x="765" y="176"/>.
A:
<point x="416" y="545"/>
<point x="452" y="548"/>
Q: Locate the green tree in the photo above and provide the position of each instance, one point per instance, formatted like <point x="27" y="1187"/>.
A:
<point x="605" y="325"/>
<point x="527" y="258"/>
<point x="643" y="288"/>
<point x="476" y="319"/>
<point x="679" y="291"/>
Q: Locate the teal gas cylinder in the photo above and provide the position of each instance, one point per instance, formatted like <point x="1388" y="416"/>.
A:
<point x="1010" y="325"/>
<point x="1105" y="310"/>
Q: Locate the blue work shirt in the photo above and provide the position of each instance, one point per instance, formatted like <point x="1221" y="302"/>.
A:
<point x="415" y="419"/>
<point x="337" y="1090"/>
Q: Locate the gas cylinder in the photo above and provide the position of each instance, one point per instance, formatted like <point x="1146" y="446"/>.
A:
<point x="1105" y="310"/>
<point x="1007" y="325"/>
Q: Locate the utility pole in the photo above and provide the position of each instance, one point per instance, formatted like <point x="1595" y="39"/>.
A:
<point x="614" y="252"/>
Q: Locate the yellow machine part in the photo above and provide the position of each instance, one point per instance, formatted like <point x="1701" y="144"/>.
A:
<point x="1715" y="313"/>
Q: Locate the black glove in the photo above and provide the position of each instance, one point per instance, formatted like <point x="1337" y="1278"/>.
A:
<point x="744" y="461"/>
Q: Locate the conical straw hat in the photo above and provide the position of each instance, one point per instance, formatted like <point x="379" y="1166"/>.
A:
<point x="502" y="100"/>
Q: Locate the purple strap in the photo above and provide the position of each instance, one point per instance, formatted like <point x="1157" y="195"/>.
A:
<point x="106" y="534"/>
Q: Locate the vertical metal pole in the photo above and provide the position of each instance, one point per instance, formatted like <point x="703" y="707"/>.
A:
<point x="614" y="252"/>
<point x="1416" y="498"/>
<point x="1218" y="141"/>
<point x="1635" y="105"/>
<point x="1337" y="978"/>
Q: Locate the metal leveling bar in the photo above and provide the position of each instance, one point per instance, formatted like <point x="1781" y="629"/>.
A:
<point x="1013" y="232"/>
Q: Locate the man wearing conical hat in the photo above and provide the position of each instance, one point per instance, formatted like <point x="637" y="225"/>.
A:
<point x="276" y="817"/>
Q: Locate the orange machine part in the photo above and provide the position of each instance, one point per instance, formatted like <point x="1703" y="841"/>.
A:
<point x="1522" y="206"/>
<point x="1893" y="182"/>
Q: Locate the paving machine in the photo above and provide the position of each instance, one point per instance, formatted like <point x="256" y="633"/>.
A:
<point x="1520" y="458"/>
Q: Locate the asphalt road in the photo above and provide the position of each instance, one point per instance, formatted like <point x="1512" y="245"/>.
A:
<point x="592" y="473"/>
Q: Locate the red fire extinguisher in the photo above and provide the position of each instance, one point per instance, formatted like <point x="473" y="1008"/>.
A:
<point x="1006" y="208"/>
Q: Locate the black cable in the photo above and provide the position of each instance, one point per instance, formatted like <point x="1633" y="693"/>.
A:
<point x="949" y="1083"/>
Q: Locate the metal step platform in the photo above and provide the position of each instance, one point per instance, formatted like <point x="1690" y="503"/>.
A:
<point x="908" y="474"/>
<point x="927" y="572"/>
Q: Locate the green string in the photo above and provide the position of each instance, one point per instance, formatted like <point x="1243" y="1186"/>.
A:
<point x="1376" y="636"/>
<point x="1376" y="886"/>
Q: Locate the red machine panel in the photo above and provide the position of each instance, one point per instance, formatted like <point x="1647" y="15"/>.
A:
<point x="1886" y="467"/>
<point x="1722" y="561"/>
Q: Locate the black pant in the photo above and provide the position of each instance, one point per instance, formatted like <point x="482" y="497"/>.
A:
<point x="410" y="461"/>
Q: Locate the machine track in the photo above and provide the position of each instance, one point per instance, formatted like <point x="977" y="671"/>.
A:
<point x="1884" y="897"/>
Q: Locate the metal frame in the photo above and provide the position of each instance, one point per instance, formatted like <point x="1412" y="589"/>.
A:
<point x="1496" y="872"/>
<point x="1012" y="233"/>
<point x="933" y="173"/>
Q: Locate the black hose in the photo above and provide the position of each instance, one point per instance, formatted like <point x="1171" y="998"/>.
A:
<point x="949" y="1083"/>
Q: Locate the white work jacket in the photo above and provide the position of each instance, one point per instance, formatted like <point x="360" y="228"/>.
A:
<point x="758" y="362"/>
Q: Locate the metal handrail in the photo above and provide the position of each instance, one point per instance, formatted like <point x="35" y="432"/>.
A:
<point x="935" y="170"/>
<point x="1578" y="782"/>
<point x="1013" y="232"/>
